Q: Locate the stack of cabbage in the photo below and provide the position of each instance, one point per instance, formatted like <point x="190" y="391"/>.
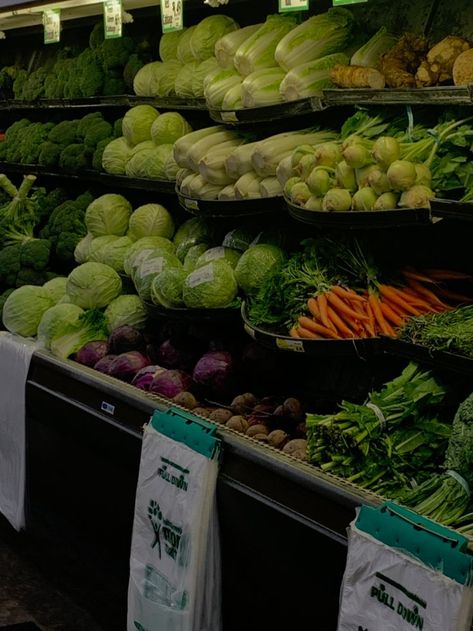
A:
<point x="189" y="272"/>
<point x="217" y="163"/>
<point x="146" y="148"/>
<point x="254" y="66"/>
<point x="357" y="174"/>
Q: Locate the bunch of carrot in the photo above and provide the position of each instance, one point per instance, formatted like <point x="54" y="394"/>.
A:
<point x="342" y="313"/>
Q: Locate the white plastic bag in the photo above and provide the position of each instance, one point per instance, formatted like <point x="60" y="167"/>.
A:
<point x="174" y="562"/>
<point x="385" y="589"/>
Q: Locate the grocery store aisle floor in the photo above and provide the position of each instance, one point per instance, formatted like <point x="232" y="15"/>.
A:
<point x="26" y="596"/>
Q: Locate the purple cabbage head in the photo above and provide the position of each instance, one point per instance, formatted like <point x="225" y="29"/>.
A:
<point x="171" y="383"/>
<point x="125" y="338"/>
<point x="145" y="376"/>
<point x="126" y="365"/>
<point x="214" y="371"/>
<point x="104" y="364"/>
<point x="91" y="353"/>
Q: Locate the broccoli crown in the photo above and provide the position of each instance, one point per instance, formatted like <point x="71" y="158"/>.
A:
<point x="113" y="86"/>
<point x="96" y="133"/>
<point x="66" y="244"/>
<point x="75" y="157"/>
<point x="10" y="264"/>
<point x="84" y="200"/>
<point x="96" y="36"/>
<point x="15" y="130"/>
<point x="30" y="144"/>
<point x="114" y="53"/>
<point x="67" y="217"/>
<point x="64" y="133"/>
<point x="72" y="89"/>
<point x="49" y="154"/>
<point x="28" y="276"/>
<point x="86" y="122"/>
<point x="51" y="87"/>
<point x="118" y="127"/>
<point x="91" y="73"/>
<point x="35" y="254"/>
<point x="34" y="87"/>
<point x="133" y="64"/>
<point x="20" y="83"/>
<point x="98" y="153"/>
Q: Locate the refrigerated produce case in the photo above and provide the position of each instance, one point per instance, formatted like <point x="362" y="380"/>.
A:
<point x="283" y="521"/>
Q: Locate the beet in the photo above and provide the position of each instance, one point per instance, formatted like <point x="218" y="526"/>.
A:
<point x="91" y="353"/>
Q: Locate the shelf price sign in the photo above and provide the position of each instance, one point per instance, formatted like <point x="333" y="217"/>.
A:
<point x="171" y="15"/>
<point x="52" y="26"/>
<point x="112" y="19"/>
<point x="338" y="3"/>
<point x="293" y="5"/>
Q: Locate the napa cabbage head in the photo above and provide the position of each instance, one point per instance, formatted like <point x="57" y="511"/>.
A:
<point x="127" y="309"/>
<point x="310" y="79"/>
<point x="167" y="287"/>
<point x="137" y="123"/>
<point x="24" y="308"/>
<point x="212" y="286"/>
<point x="257" y="265"/>
<point x="108" y="215"/>
<point x="208" y="32"/>
<point x="168" y="127"/>
<point x="218" y="83"/>
<point x="116" y="155"/>
<point x="93" y="285"/>
<point x="316" y="37"/>
<point x="56" y="287"/>
<point x="151" y="220"/>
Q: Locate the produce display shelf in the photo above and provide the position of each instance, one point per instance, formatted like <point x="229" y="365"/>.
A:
<point x="90" y="176"/>
<point x="439" y="359"/>
<point x="224" y="316"/>
<point x="353" y="220"/>
<point x="451" y="209"/>
<point x="443" y="95"/>
<point x="268" y="113"/>
<point x="297" y="489"/>
<point x="232" y="208"/>
<point x="104" y="102"/>
<point x="362" y="348"/>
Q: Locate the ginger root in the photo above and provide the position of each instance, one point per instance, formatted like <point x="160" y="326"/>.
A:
<point x="356" y="77"/>
<point x="438" y="67"/>
<point x="400" y="64"/>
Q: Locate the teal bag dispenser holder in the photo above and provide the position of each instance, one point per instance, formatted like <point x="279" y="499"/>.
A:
<point x="184" y="427"/>
<point x="436" y="546"/>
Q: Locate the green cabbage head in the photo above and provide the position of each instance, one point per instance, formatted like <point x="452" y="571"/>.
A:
<point x="151" y="267"/>
<point x="93" y="285"/>
<point x="115" y="156"/>
<point x="228" y="254"/>
<point x="157" y="78"/>
<point x="108" y="215"/>
<point x="126" y="309"/>
<point x="55" y="320"/>
<point x="208" y="32"/>
<point x="24" y="308"/>
<point x="257" y="265"/>
<point x="143" y="248"/>
<point x="113" y="254"/>
<point x="56" y="287"/>
<point x="168" y="45"/>
<point x="166" y="288"/>
<point x="137" y="123"/>
<point x="168" y="128"/>
<point x="151" y="220"/>
<point x="210" y="287"/>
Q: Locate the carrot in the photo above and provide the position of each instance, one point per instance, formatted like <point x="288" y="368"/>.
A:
<point x="343" y="329"/>
<point x="413" y="298"/>
<point x="414" y="275"/>
<point x="342" y="307"/>
<point x="396" y="308"/>
<point x="391" y="294"/>
<point x="347" y="294"/>
<point x="370" y="326"/>
<point x="383" y="325"/>
<point x="306" y="334"/>
<point x="322" y="304"/>
<point x="293" y="332"/>
<point x="313" y="308"/>
<point x="446" y="274"/>
<point x="427" y="293"/>
<point x="452" y="295"/>
<point x="389" y="314"/>
<point x="316" y="328"/>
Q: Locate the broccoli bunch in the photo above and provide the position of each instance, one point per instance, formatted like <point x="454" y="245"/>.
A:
<point x="8" y="75"/>
<point x="25" y="262"/>
<point x="66" y="227"/>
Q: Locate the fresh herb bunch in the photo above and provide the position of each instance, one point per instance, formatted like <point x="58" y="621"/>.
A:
<point x="386" y="442"/>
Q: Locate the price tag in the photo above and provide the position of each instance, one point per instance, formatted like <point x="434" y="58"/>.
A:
<point x="171" y="15"/>
<point x="290" y="345"/>
<point x="339" y="3"/>
<point x="107" y="407"/>
<point x="293" y="5"/>
<point x="191" y="204"/>
<point x="112" y="16"/>
<point x="52" y="26"/>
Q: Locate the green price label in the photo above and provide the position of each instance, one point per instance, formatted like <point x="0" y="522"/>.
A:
<point x="112" y="19"/>
<point x="293" y="5"/>
<point x="171" y="15"/>
<point x="338" y="3"/>
<point x="52" y="26"/>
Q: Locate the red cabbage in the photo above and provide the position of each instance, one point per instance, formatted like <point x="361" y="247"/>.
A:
<point x="91" y="353"/>
<point x="126" y="365"/>
<point x="214" y="370"/>
<point x="104" y="364"/>
<point x="126" y="338"/>
<point x="171" y="356"/>
<point x="145" y="376"/>
<point x="171" y="383"/>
